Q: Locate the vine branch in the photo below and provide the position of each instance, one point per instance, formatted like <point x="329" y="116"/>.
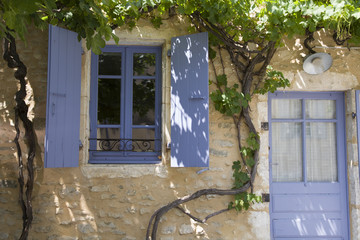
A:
<point x="11" y="56"/>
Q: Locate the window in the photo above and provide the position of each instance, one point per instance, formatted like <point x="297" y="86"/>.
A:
<point x="125" y="105"/>
<point x="303" y="138"/>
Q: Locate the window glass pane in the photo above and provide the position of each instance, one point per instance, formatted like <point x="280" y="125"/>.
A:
<point x="287" y="152"/>
<point x="144" y="64"/>
<point x="110" y="63"/>
<point x="143" y="102"/>
<point x="286" y="108"/>
<point x="320" y="109"/>
<point x="143" y="139"/>
<point x="321" y="152"/>
<point x="108" y="139"/>
<point x="109" y="101"/>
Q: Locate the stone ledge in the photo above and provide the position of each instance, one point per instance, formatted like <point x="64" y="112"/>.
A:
<point x="123" y="171"/>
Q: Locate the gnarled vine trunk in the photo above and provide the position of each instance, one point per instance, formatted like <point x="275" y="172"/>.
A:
<point x="12" y="58"/>
<point x="250" y="66"/>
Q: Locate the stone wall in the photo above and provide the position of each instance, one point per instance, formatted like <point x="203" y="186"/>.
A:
<point x="117" y="201"/>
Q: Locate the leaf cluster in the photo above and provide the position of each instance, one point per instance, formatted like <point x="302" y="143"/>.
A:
<point x="294" y="17"/>
<point x="243" y="201"/>
<point x="241" y="175"/>
<point x="229" y="100"/>
<point x="273" y="80"/>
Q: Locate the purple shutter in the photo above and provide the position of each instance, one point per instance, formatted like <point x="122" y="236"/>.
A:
<point x="63" y="99"/>
<point x="190" y="101"/>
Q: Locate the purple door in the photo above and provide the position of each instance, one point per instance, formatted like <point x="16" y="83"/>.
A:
<point x="308" y="187"/>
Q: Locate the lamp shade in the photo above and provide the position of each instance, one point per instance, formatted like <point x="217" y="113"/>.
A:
<point x="317" y="63"/>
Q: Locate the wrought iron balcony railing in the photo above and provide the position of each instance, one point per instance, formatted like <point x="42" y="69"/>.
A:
<point x="127" y="145"/>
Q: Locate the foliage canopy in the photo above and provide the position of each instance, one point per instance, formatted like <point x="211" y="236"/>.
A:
<point x="247" y="21"/>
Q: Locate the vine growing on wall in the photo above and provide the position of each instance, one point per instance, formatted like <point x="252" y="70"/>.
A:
<point x="248" y="32"/>
<point x="12" y="58"/>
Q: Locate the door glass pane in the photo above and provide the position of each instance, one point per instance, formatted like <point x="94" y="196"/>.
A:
<point x="110" y="63"/>
<point x="320" y="109"/>
<point x="144" y="64"/>
<point x="109" y="101"/>
<point x="321" y="152"/>
<point x="286" y="108"/>
<point x="287" y="152"/>
<point x="143" y="139"/>
<point x="108" y="139"/>
<point x="144" y="102"/>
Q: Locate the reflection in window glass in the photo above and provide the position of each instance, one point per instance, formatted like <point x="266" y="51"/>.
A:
<point x="321" y="152"/>
<point x="110" y="63"/>
<point x="320" y="109"/>
<point x="287" y="152"/>
<point x="108" y="139"/>
<point x="109" y="101"/>
<point x="144" y="64"/>
<point x="143" y="102"/>
<point x="143" y="139"/>
<point x="286" y="108"/>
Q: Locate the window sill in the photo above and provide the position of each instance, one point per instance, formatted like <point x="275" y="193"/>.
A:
<point x="123" y="171"/>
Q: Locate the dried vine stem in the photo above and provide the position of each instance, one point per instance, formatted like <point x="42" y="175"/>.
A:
<point x="155" y="218"/>
<point x="11" y="56"/>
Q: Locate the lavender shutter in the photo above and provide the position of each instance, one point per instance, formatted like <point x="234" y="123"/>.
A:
<point x="63" y="99"/>
<point x="190" y="101"/>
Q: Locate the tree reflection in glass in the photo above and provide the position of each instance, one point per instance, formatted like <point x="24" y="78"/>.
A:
<point x="144" y="64"/>
<point x="109" y="101"/>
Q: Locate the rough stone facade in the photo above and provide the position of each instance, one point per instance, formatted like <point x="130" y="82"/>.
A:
<point x="116" y="201"/>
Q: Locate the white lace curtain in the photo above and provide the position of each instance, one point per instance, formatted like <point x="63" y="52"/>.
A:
<point x="299" y="141"/>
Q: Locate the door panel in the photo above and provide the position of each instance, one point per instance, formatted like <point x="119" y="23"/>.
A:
<point x="308" y="188"/>
<point x="310" y="228"/>
<point x="306" y="203"/>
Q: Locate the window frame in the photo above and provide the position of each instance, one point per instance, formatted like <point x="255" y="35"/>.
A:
<point x="357" y="106"/>
<point x="126" y="104"/>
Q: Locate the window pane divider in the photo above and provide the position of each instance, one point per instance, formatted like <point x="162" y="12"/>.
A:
<point x="108" y="126"/>
<point x="303" y="120"/>
<point x="321" y="120"/>
<point x="144" y="77"/>
<point x="143" y="126"/>
<point x="110" y="76"/>
<point x="304" y="142"/>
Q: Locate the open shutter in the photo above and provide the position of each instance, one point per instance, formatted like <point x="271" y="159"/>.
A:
<point x="190" y="101"/>
<point x="63" y="99"/>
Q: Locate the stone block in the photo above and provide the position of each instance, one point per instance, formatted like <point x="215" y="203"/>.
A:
<point x="223" y="143"/>
<point x="4" y="236"/>
<point x="100" y="188"/>
<point x="186" y="229"/>
<point x="115" y="215"/>
<point x="43" y="229"/>
<point x="7" y="183"/>
<point x="85" y="228"/>
<point x="168" y="230"/>
<point x="218" y="153"/>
